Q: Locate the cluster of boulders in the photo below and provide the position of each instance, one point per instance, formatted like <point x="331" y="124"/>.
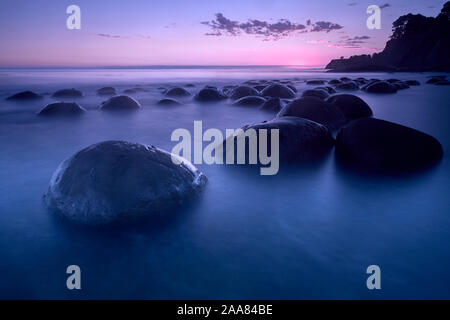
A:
<point x="117" y="180"/>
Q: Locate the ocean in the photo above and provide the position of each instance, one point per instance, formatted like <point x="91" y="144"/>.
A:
<point x="305" y="233"/>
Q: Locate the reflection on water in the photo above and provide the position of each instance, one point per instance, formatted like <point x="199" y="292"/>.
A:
<point x="304" y="233"/>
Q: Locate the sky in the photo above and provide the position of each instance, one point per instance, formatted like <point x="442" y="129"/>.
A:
<point x="195" y="32"/>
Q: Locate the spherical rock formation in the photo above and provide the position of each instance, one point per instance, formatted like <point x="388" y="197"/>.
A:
<point x="119" y="103"/>
<point x="378" y="145"/>
<point x="412" y="83"/>
<point x="121" y="181"/>
<point x="106" y="91"/>
<point x="210" y="94"/>
<point x="318" y="93"/>
<point x="25" y="95"/>
<point x="250" y="101"/>
<point x="316" y="110"/>
<point x="177" y="92"/>
<point x="278" y="91"/>
<point x="62" y="109"/>
<point x="243" y="91"/>
<point x="381" y="87"/>
<point x="67" y="93"/>
<point x="273" y="104"/>
<point x="169" y="102"/>
<point x="316" y="82"/>
<point x="352" y="107"/>
<point x="300" y="140"/>
<point x="347" y="86"/>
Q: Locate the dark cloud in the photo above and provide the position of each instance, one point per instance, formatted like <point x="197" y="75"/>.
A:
<point x="325" y="26"/>
<point x="352" y="43"/>
<point x="268" y="31"/>
<point x="385" y="5"/>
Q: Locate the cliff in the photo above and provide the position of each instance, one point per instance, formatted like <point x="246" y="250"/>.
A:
<point x="417" y="43"/>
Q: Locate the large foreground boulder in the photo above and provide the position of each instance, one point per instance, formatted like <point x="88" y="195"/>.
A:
<point x="62" y="109"/>
<point x="352" y="107"/>
<point x="300" y="140"/>
<point x="118" y="180"/>
<point x="316" y="110"/>
<point x="68" y="93"/>
<point x="25" y="95"/>
<point x="378" y="145"/>
<point x="118" y="103"/>
<point x="278" y="91"/>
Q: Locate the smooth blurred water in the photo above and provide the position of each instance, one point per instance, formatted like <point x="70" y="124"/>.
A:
<point x="304" y="233"/>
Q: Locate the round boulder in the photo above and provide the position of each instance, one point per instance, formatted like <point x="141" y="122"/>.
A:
<point x="243" y="91"/>
<point x="177" y="92"/>
<point x="315" y="82"/>
<point x="169" y="102"/>
<point x="318" y="93"/>
<point x="300" y="140"/>
<point x="106" y="91"/>
<point x="273" y="104"/>
<point x="68" y="93"/>
<point x="352" y="107"/>
<point x="62" y="109"/>
<point x="250" y="101"/>
<point x="278" y="91"/>
<point x="347" y="86"/>
<point x="25" y="95"/>
<point x="316" y="110"/>
<point x="120" y="181"/>
<point x="378" y="145"/>
<point x="121" y="102"/>
<point x="209" y="94"/>
<point x="412" y="83"/>
<point x="381" y="87"/>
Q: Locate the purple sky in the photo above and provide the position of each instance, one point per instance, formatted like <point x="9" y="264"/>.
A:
<point x="196" y="32"/>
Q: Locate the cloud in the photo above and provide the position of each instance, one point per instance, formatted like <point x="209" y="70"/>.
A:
<point x="283" y="28"/>
<point x="114" y="36"/>
<point x="325" y="26"/>
<point x="352" y="4"/>
<point x="385" y="5"/>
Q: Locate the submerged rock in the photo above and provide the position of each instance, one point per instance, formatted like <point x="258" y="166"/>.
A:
<point x="243" y="91"/>
<point x="273" y="104"/>
<point x="300" y="140"/>
<point x="62" y="109"/>
<point x="318" y="93"/>
<point x="412" y="83"/>
<point x="25" y="95"/>
<point x="67" y="93"/>
<point x="121" y="102"/>
<point x="378" y="145"/>
<point x="177" y="92"/>
<point x="106" y="91"/>
<point x="210" y="94"/>
<point x="250" y="101"/>
<point x="351" y="106"/>
<point x="120" y="181"/>
<point x="347" y="86"/>
<point x="381" y="87"/>
<point x="316" y="82"/>
<point x="334" y="82"/>
<point x="169" y="102"/>
<point x="278" y="91"/>
<point x="442" y="83"/>
<point x="316" y="110"/>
